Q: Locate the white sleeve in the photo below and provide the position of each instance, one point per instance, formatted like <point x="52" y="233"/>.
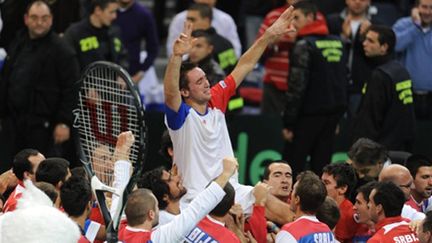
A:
<point x="174" y="30"/>
<point x="226" y="27"/>
<point x="182" y="224"/>
<point x="92" y="231"/>
<point x="411" y="214"/>
<point x="284" y="236"/>
<point x="122" y="172"/>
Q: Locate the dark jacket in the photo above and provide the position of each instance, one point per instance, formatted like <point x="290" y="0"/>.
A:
<point x="96" y="44"/>
<point x="359" y="68"/>
<point x="212" y="70"/>
<point x="317" y="77"/>
<point x="38" y="80"/>
<point x="223" y="51"/>
<point x="386" y="113"/>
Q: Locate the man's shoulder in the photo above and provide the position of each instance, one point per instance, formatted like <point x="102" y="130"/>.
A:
<point x="221" y="15"/>
<point x="405" y="21"/>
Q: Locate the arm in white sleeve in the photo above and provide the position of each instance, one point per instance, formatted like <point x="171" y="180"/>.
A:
<point x="177" y="229"/>
<point x="122" y="172"/>
<point x="410" y="213"/>
<point x="284" y="236"/>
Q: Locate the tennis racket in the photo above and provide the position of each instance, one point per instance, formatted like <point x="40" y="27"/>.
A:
<point x="108" y="105"/>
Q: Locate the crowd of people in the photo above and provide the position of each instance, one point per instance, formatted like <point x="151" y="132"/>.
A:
<point x="319" y="67"/>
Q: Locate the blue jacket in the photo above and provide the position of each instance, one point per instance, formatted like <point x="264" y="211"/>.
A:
<point x="415" y="47"/>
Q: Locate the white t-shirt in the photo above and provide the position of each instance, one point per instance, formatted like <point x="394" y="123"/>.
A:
<point x="201" y="141"/>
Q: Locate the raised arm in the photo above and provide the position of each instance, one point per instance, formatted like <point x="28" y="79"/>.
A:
<point x="182" y="45"/>
<point x="248" y="61"/>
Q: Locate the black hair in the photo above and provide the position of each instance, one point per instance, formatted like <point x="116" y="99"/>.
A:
<point x="367" y="152"/>
<point x="366" y="189"/>
<point x="226" y="203"/>
<point x="385" y="36"/>
<point x="21" y="162"/>
<point x="415" y="161"/>
<point x="204" y="34"/>
<point x="166" y="143"/>
<point x="205" y="11"/>
<point x="344" y="175"/>
<point x="184" y="69"/>
<point x="52" y="170"/>
<point x="427" y="222"/>
<point x="38" y="2"/>
<point x="328" y="213"/>
<point x="311" y="191"/>
<point x="306" y="7"/>
<point x="152" y="180"/>
<point x="267" y="171"/>
<point x="102" y="4"/>
<point x="75" y="195"/>
<point x="391" y="197"/>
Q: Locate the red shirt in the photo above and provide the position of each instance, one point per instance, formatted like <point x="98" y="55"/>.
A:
<point x="346" y="226"/>
<point x="257" y="224"/>
<point x="132" y="235"/>
<point x="393" y="229"/>
<point x="12" y="201"/>
<point x="209" y="230"/>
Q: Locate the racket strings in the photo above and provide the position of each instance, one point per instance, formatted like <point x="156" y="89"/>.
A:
<point x="107" y="109"/>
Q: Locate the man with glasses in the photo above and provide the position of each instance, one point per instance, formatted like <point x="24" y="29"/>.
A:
<point x="401" y="177"/>
<point x="37" y="90"/>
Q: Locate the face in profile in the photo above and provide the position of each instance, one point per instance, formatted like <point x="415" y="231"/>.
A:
<point x="200" y="50"/>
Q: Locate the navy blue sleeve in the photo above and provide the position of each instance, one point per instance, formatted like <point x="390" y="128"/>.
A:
<point x="176" y="119"/>
<point x="151" y="38"/>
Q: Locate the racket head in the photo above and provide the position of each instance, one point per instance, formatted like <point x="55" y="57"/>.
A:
<point x="108" y="104"/>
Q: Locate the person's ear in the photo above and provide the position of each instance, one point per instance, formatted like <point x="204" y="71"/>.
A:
<point x="184" y="93"/>
<point x="342" y="189"/>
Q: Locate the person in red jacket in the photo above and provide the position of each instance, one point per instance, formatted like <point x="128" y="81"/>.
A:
<point x="385" y="207"/>
<point x="340" y="180"/>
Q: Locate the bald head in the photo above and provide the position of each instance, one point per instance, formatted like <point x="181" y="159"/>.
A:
<point x="399" y="175"/>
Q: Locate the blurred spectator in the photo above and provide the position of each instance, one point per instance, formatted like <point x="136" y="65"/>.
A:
<point x="201" y="15"/>
<point x="329" y="213"/>
<point x="351" y="24"/>
<point x="316" y="98"/>
<point x="94" y="38"/>
<point x="386" y="112"/>
<point x="255" y="11"/>
<point x="137" y="25"/>
<point x="414" y="38"/>
<point x="54" y="171"/>
<point x="38" y="85"/>
<point x="276" y="66"/>
<point x="327" y="7"/>
<point x="222" y="22"/>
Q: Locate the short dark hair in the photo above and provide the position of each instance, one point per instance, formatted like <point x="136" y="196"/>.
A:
<point x="102" y="4"/>
<point x="328" y="213"/>
<point x="415" y="161"/>
<point x="205" y="11"/>
<point x="80" y="172"/>
<point x="344" y="174"/>
<point x="204" y="34"/>
<point x="267" y="171"/>
<point x="391" y="197"/>
<point x="367" y="152"/>
<point x="52" y="170"/>
<point x="226" y="203"/>
<point x="48" y="189"/>
<point x="184" y="69"/>
<point x="21" y="162"/>
<point x="427" y="223"/>
<point x="366" y="189"/>
<point x="38" y="2"/>
<point x="138" y="204"/>
<point x="75" y="195"/>
<point x="385" y="36"/>
<point x="307" y="7"/>
<point x="311" y="191"/>
<point x="166" y="143"/>
<point x="152" y="180"/>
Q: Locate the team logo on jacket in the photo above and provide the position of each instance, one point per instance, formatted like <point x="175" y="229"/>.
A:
<point x="197" y="236"/>
<point x="223" y="84"/>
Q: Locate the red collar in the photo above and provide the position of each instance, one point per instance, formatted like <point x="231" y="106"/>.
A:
<point x="387" y="221"/>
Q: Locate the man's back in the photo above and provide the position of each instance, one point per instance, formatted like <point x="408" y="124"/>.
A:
<point x="393" y="229"/>
<point x="305" y="229"/>
<point x="211" y="230"/>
